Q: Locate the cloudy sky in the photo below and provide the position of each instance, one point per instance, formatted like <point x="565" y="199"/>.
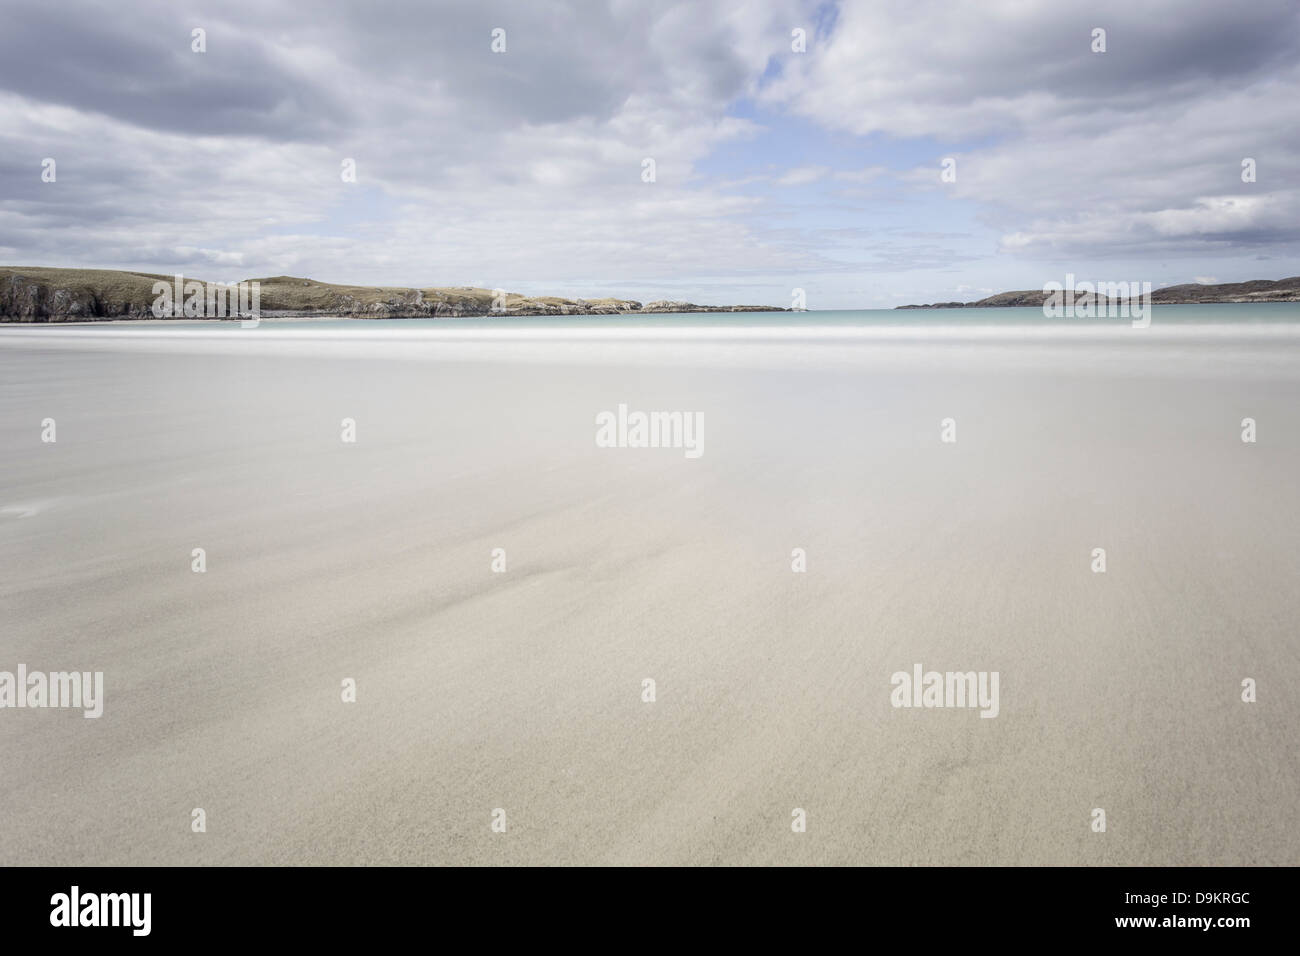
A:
<point x="774" y="169"/>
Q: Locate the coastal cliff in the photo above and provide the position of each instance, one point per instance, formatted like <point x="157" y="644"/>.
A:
<point x="38" y="294"/>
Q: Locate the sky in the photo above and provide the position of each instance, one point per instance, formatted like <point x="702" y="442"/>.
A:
<point x="774" y="168"/>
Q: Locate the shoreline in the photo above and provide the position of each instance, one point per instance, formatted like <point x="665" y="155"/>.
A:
<point x="44" y="295"/>
<point x="1193" y="293"/>
<point x="301" y="318"/>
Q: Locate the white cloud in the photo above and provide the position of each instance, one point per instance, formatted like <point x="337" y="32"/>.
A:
<point x="524" y="168"/>
<point x="1083" y="153"/>
<point x="802" y="175"/>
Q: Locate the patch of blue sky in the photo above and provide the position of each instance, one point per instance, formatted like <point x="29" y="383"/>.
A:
<point x="357" y="207"/>
<point x="845" y="193"/>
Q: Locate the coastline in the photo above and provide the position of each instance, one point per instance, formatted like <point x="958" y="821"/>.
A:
<point x="1225" y="293"/>
<point x="809" y="317"/>
<point x="42" y="295"/>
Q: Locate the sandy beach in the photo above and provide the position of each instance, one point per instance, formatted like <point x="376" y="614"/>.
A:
<point x="522" y="690"/>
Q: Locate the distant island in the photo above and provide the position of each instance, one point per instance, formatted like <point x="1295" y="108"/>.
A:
<point x="39" y="294"/>
<point x="1192" y="293"/>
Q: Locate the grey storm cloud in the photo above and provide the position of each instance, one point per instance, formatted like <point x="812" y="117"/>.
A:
<point x="134" y="63"/>
<point x="283" y="71"/>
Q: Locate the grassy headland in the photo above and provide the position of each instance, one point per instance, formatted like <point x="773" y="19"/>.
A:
<point x="39" y="294"/>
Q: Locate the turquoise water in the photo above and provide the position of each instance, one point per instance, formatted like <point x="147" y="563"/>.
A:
<point x="1272" y="313"/>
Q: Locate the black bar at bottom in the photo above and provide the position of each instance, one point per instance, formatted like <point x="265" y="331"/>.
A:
<point x="332" y="906"/>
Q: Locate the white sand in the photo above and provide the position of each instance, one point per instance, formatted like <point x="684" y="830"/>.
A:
<point x="523" y="690"/>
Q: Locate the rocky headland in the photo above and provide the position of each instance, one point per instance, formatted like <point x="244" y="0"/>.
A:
<point x="38" y="294"/>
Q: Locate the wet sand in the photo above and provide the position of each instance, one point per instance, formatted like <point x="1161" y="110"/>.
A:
<point x="522" y="690"/>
